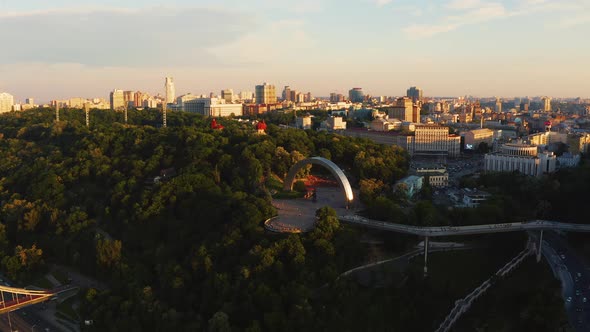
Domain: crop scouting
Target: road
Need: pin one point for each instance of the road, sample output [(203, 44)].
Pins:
[(574, 274), (26, 320), (535, 225)]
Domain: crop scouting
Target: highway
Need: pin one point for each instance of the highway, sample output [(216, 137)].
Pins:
[(574, 275), (535, 225)]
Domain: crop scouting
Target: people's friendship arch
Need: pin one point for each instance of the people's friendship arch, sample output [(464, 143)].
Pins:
[(333, 168)]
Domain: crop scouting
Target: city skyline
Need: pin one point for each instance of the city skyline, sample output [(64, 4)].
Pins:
[(448, 48)]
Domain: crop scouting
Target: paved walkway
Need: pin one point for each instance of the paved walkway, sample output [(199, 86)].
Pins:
[(298, 215)]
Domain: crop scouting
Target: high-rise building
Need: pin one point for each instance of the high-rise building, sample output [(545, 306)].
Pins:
[(246, 96), (415, 93), (498, 108), (170, 90), (404, 110), (227, 95), (117, 100), (30, 101), (287, 93), (356, 95), (546, 104), (6, 102), (266, 94)]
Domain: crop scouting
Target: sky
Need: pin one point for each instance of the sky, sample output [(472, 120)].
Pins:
[(60, 49)]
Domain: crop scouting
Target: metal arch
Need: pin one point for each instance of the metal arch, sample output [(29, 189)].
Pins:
[(333, 168)]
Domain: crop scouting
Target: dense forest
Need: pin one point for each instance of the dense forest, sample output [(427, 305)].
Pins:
[(171, 220)]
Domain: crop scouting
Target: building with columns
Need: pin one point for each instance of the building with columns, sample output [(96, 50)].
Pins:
[(521, 157)]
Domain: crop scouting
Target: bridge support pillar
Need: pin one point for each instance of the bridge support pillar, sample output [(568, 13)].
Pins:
[(426, 256), (539, 247)]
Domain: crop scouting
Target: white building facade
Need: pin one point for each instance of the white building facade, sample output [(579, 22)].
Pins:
[(523, 158), (6, 102), (214, 107)]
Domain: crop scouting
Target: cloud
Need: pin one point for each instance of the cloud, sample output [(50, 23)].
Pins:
[(381, 3), (275, 42), (463, 4), (119, 37), (485, 12)]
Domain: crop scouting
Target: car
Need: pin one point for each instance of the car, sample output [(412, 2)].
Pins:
[(584, 300), (562, 256), (569, 299), (579, 275), (578, 292)]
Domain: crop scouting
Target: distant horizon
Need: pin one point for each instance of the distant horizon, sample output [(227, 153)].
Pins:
[(63, 48)]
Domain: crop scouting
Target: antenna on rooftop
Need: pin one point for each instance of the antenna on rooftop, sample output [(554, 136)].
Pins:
[(164, 114), (87, 111)]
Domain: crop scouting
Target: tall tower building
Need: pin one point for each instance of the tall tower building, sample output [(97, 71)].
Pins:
[(356, 95), (170, 90), (415, 93), (498, 108), (546, 104), (266, 94), (6, 102), (117, 100), (287, 93)]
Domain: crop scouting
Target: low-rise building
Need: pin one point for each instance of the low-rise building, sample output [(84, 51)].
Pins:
[(411, 185), (303, 122), (335, 123), (568, 160), (213, 107), (473, 197), (438, 177), (474, 138)]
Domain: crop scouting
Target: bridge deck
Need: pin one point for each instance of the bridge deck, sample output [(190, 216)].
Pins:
[(466, 230)]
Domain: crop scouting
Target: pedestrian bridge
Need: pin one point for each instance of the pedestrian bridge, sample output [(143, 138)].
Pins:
[(535, 225), (16, 298)]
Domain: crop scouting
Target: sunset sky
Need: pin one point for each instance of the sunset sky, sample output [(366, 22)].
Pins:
[(64, 48)]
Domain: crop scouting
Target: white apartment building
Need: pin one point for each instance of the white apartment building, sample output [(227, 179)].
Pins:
[(6, 102), (170, 90), (214, 107), (521, 157), (335, 123), (303, 122)]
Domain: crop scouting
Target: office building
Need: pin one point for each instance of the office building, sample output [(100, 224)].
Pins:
[(247, 96), (227, 95), (498, 106), (170, 90), (180, 101), (404, 110), (434, 140), (214, 107), (30, 101), (266, 94), (430, 141), (546, 104), (287, 93), (474, 138), (356, 95), (117, 100), (520, 157), (415, 93), (6, 102)]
